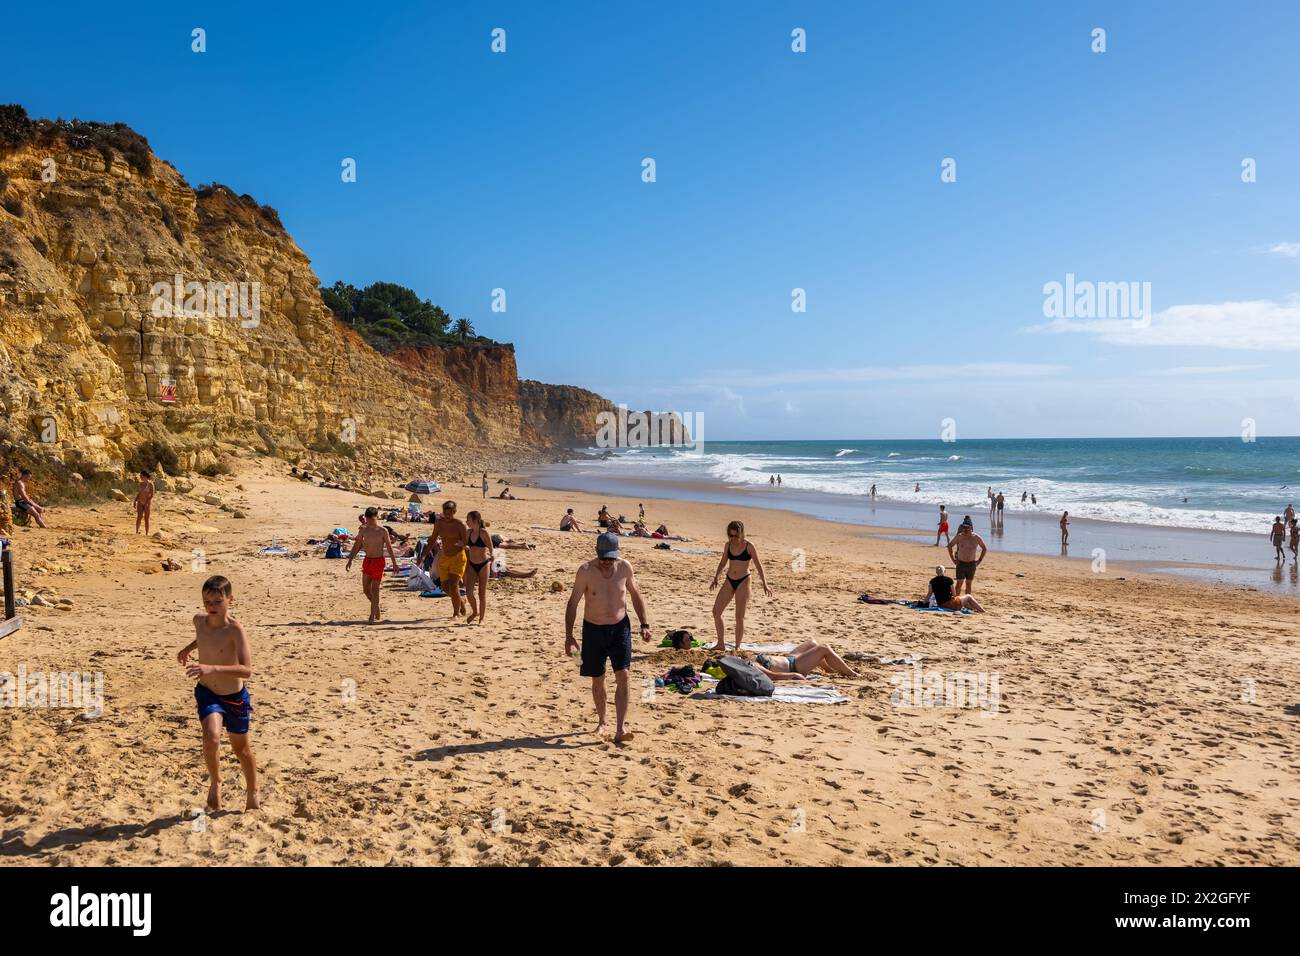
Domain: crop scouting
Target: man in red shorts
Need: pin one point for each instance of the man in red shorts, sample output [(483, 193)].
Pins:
[(375, 540)]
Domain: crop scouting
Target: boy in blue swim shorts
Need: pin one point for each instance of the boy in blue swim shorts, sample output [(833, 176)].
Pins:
[(225, 662)]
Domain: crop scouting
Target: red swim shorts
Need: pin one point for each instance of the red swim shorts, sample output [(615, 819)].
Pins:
[(373, 568), (943, 527)]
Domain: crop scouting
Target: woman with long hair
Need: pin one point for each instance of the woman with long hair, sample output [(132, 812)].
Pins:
[(736, 555), (478, 570)]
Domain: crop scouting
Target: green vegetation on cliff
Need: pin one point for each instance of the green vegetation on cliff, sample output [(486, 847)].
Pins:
[(390, 316)]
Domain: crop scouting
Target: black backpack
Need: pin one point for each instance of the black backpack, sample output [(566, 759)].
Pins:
[(743, 679)]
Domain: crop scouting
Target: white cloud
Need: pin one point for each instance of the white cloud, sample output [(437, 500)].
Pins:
[(1206, 369), (980, 371), (1289, 249), (1255, 325)]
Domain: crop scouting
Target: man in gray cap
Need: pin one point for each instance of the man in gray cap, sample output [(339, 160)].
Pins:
[(605, 584)]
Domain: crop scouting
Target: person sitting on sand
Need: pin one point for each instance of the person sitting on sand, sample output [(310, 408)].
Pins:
[(662, 529), (478, 553), (802, 661), (941, 589), (603, 586), (24, 502), (144, 502), (639, 530), (735, 562), (374, 539), (506, 495), (602, 516), (614, 525), (569, 522)]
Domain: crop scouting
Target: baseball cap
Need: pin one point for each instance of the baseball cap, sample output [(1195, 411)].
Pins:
[(607, 545)]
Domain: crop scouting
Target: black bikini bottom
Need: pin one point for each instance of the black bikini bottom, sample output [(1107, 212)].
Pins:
[(736, 582), (478, 566)]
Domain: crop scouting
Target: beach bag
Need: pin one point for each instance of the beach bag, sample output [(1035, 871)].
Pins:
[(743, 679), (335, 550)]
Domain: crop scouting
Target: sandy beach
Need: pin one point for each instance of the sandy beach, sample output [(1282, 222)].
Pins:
[(1140, 720)]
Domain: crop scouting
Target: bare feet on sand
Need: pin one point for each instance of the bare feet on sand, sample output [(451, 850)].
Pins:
[(601, 729), (214, 798), (252, 802), (624, 736)]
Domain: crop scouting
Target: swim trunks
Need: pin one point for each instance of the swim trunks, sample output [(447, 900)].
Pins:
[(452, 565), (601, 641), (236, 710), (373, 568), (966, 569), (943, 528)]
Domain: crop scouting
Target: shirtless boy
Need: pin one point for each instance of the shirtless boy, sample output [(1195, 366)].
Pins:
[(1278, 536), (225, 662), (604, 584), (23, 501), (144, 502), (453, 537), (943, 526), (376, 541), (966, 551)]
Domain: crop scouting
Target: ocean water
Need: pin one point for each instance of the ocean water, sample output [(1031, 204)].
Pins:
[(1228, 484)]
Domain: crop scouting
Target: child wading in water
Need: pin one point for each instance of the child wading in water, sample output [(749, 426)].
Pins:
[(225, 662)]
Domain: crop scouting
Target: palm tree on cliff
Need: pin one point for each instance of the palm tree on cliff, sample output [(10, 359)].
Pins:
[(464, 329)]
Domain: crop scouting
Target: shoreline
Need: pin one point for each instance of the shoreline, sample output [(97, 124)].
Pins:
[(1228, 558)]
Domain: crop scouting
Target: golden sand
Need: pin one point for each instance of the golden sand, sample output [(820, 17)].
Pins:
[(1142, 720)]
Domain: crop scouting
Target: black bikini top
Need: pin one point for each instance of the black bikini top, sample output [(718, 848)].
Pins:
[(477, 542), (743, 556)]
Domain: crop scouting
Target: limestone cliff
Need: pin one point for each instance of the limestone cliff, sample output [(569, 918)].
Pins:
[(112, 274)]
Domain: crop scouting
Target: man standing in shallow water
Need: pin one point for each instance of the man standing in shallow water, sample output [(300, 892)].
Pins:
[(606, 632)]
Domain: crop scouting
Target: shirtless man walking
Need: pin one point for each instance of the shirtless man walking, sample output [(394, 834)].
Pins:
[(966, 551), (454, 537), (144, 502), (1278, 536), (376, 541), (604, 584)]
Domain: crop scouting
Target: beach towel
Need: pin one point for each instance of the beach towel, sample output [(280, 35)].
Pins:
[(768, 648), (948, 610), (436, 592), (868, 599), (788, 692), (419, 580), (693, 551)]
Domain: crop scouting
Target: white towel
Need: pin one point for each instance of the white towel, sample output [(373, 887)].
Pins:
[(796, 694), (768, 648)]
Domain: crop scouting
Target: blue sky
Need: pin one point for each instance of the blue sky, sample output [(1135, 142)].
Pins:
[(775, 170)]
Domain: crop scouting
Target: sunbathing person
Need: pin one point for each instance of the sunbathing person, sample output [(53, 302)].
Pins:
[(613, 524), (941, 589), (639, 530), (662, 529), (506, 495), (802, 661), (509, 544), (569, 522)]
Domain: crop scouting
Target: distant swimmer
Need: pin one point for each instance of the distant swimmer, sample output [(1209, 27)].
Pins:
[(771, 480), (1288, 514), (943, 526), (1278, 535), (1023, 496), (1295, 538), (1065, 528), (778, 481), (873, 492), (1033, 499), (917, 488)]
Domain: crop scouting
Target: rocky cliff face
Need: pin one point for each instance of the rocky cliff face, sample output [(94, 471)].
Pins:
[(120, 288)]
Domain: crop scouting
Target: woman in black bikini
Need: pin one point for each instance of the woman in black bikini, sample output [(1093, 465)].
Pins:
[(478, 552), (736, 555)]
